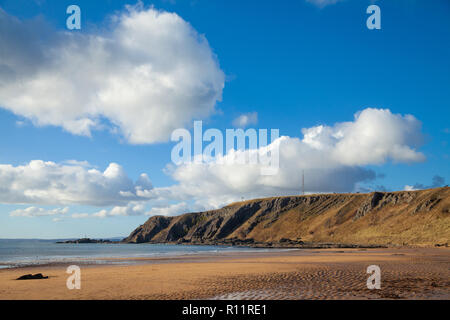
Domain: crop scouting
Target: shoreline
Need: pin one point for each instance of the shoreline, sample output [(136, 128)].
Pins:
[(129, 260), (103, 260), (407, 273)]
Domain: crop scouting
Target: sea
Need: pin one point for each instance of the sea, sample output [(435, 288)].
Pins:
[(16, 253)]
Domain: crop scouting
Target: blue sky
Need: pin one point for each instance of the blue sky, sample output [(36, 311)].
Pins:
[(295, 63)]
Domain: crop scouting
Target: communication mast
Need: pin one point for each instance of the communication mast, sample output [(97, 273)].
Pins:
[(303, 182)]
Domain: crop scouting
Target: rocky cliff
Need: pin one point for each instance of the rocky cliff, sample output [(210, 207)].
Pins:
[(378, 218)]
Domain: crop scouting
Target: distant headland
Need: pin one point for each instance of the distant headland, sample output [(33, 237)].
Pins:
[(88, 240)]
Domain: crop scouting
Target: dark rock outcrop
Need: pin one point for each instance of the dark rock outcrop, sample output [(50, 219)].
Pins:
[(32, 277), (369, 204)]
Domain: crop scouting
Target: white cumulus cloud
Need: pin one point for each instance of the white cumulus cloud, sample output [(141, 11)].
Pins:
[(323, 3), (131, 209), (174, 209), (38, 212), (148, 74), (246, 119), (50, 183), (374, 137)]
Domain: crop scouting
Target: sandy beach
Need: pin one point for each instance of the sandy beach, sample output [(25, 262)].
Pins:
[(412, 273)]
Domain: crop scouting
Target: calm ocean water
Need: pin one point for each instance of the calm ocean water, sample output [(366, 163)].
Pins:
[(20, 253)]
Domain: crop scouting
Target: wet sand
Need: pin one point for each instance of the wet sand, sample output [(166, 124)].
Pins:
[(422, 273)]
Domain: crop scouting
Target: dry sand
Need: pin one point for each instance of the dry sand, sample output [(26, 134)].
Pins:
[(300, 274)]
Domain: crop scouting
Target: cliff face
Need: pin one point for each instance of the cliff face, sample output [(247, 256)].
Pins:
[(379, 218)]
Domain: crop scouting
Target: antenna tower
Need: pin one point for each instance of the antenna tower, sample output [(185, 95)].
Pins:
[(303, 182)]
